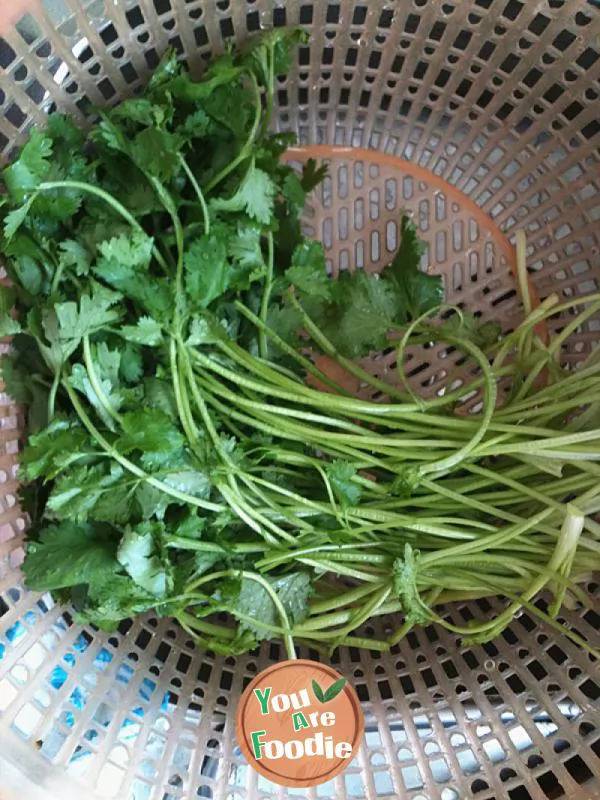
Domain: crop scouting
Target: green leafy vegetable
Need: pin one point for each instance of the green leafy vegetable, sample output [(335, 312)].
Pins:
[(68, 554), (170, 323)]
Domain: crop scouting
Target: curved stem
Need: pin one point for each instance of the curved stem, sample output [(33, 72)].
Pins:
[(198, 190), (247, 148), (129, 465), (491, 394), (350, 366), (290, 351), (95, 382), (266, 296), (108, 198), (289, 642)]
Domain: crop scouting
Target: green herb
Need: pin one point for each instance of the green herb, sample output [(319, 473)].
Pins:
[(170, 313)]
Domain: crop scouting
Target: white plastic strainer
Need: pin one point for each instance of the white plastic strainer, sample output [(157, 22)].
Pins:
[(494, 99)]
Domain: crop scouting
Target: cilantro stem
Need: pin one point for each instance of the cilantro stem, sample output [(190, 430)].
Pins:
[(129, 465), (183, 408), (206, 627), (350, 366), (309, 396), (198, 190), (232, 495), (95, 383), (270, 89), (290, 351), (369, 609), (246, 150), (289, 642), (52, 394), (489, 406), (377, 507), (266, 296)]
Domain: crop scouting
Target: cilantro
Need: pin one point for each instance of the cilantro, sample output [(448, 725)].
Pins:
[(80, 380), (74, 254), (340, 475), (150, 431), (15, 218), (405, 583), (147, 331), (61, 444), (207, 268), (467, 325), (8, 325), (111, 598), (308, 272), (253, 600), (167, 312), (132, 251), (245, 247), (191, 481), (312, 175), (155, 152), (361, 315), (91, 491), (255, 196), (414, 291), (24, 175), (66, 555), (138, 554)]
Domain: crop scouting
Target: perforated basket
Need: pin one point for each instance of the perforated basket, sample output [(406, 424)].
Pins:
[(492, 107)]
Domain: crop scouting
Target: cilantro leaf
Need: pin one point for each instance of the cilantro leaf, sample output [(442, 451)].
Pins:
[(468, 326), (146, 331), (67, 555), (255, 195), (111, 598), (25, 174), (245, 247), (27, 267), (308, 272), (131, 369), (182, 87), (74, 254), (158, 393), (415, 291), (155, 153), (191, 481), (65, 324), (128, 250), (294, 194), (138, 110), (8, 325), (61, 444), (139, 555), (15, 218), (362, 314), (312, 175), (254, 601), (152, 502), (151, 432), (340, 474), (207, 269), (83, 492)]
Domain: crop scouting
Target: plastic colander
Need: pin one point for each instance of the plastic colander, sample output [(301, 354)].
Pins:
[(480, 118)]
